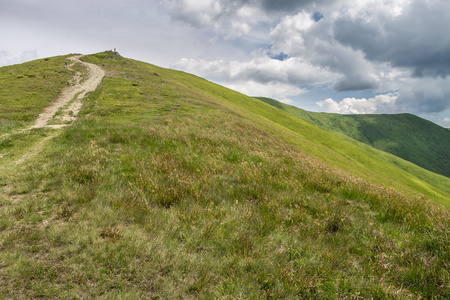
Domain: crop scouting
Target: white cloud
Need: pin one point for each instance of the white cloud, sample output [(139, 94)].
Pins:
[(238, 29), (8, 58), (379, 104), (288, 35), (260, 69), (300, 36), (373, 9), (276, 90), (261, 76)]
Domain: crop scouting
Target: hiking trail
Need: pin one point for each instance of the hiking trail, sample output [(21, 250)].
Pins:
[(78, 91), (70, 99)]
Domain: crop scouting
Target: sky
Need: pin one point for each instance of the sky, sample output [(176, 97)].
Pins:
[(342, 56)]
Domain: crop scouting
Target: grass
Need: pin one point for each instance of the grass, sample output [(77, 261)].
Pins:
[(404, 135), (26, 89), (333, 149), (161, 190)]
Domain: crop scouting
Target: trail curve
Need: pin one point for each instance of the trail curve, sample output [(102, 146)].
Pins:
[(78, 90)]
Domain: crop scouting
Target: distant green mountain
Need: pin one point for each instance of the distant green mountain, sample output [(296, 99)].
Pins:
[(405, 135)]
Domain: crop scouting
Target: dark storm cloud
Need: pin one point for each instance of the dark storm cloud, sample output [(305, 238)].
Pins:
[(289, 5), (355, 84), (271, 6), (425, 96), (417, 39), (284, 6), (421, 103)]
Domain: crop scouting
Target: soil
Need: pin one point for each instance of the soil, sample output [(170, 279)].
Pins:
[(77, 89)]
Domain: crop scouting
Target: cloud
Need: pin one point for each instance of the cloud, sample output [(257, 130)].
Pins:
[(290, 5), (357, 82), (261, 69), (283, 7), (201, 13), (301, 35), (317, 45), (379, 104), (275, 90), (234, 18), (198, 13), (289, 35), (230, 18), (415, 38), (424, 95), (260, 76), (446, 122), (138, 29), (8, 58)]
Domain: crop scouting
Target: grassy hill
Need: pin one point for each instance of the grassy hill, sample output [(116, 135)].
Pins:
[(26, 89), (407, 136), (169, 186)]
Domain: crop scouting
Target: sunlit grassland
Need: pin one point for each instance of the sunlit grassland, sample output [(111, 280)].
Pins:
[(26, 89), (404, 135), (14, 146), (162, 190), (333, 149)]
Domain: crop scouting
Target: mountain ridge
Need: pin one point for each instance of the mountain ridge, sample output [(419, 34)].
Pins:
[(410, 137)]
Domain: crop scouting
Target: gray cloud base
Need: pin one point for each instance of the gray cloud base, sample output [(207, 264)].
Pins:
[(417, 39)]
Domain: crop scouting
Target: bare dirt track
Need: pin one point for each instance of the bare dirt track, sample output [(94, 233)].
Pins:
[(78, 90), (63, 111)]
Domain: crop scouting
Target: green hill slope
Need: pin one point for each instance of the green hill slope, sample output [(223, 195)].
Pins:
[(169, 186), (26, 89), (404, 135)]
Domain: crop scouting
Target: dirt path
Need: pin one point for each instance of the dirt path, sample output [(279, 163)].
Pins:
[(34, 150), (78, 90)]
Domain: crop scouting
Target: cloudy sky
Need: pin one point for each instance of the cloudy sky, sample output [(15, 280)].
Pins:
[(344, 56)]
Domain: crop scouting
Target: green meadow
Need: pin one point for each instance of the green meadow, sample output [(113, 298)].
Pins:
[(171, 187), (404, 135), (26, 89)]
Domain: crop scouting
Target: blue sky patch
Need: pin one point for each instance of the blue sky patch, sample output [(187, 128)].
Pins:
[(281, 57), (317, 16)]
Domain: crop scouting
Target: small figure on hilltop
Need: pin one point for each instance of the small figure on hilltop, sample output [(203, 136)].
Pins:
[(67, 64)]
